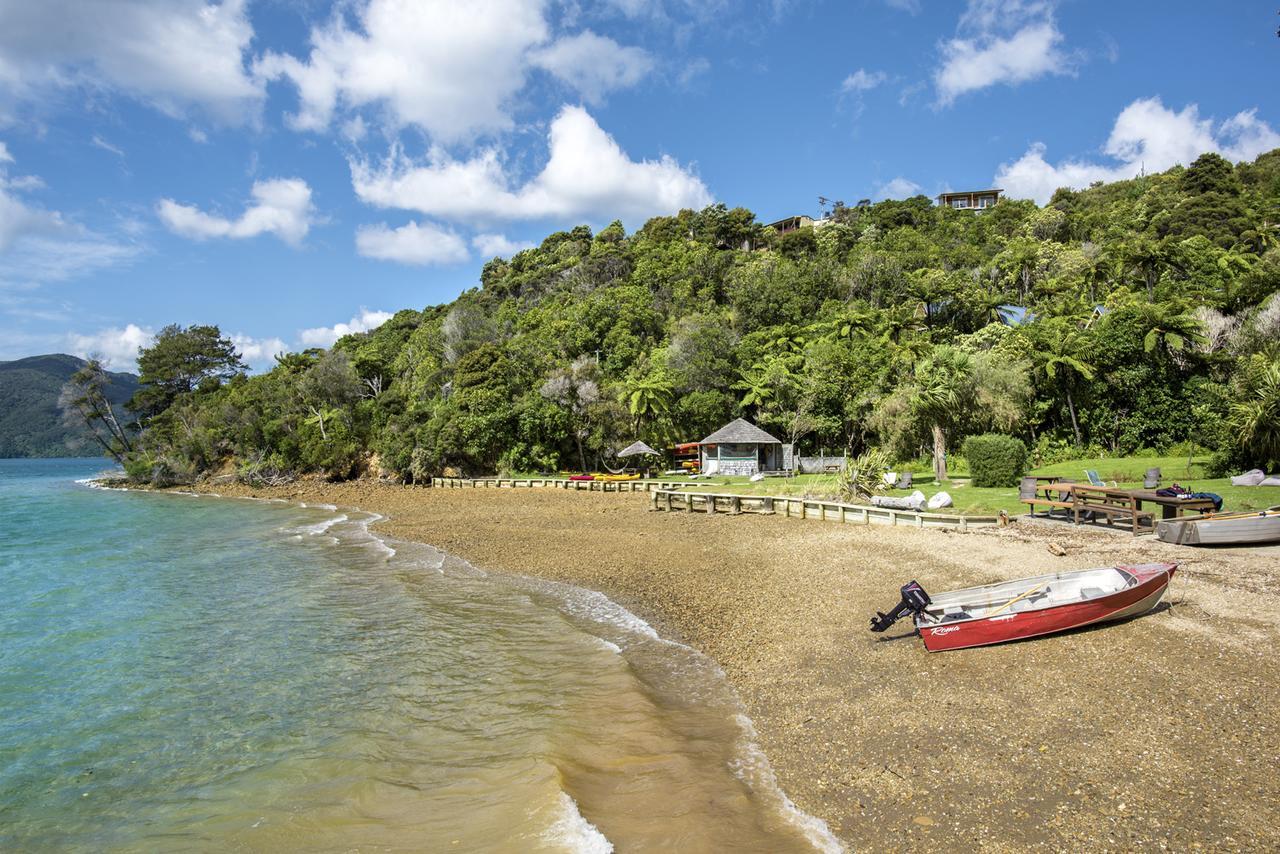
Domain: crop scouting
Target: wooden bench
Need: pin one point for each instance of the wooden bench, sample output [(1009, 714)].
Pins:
[(1056, 496), (1112, 504)]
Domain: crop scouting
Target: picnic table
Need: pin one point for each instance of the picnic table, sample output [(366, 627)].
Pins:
[(1084, 501), (1171, 507)]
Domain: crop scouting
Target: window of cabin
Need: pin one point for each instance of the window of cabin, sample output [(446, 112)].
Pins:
[(959, 203)]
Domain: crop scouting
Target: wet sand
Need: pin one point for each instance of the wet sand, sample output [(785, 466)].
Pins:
[(1161, 731)]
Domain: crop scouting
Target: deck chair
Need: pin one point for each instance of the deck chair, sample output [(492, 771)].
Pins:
[(904, 480), (1094, 480), (1152, 479)]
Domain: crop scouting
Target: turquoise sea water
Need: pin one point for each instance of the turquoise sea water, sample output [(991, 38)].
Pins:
[(184, 673)]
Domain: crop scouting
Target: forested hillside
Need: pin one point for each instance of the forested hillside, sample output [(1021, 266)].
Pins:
[(30, 420), (1135, 315)]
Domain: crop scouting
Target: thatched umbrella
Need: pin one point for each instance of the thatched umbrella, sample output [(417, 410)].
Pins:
[(637, 449)]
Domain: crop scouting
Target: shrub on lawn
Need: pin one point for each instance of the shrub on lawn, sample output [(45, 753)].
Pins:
[(995, 460)]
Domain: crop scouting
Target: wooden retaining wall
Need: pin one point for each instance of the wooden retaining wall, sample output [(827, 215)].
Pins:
[(557, 483), (672, 496), (672, 501)]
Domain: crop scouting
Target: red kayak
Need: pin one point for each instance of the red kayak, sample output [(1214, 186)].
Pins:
[(1029, 607)]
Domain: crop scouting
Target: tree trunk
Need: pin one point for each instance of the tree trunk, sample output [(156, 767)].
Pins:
[(106, 446), (324, 437), (113, 426), (1075, 425), (582, 457), (939, 454)]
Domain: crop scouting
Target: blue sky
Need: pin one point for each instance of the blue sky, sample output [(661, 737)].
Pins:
[(293, 169)]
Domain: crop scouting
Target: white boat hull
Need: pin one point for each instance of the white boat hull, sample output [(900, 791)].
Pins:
[(1238, 530)]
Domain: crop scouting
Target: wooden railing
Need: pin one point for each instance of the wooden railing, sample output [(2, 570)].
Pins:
[(673, 501)]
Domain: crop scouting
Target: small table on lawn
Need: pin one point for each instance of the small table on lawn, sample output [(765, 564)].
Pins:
[(1170, 507)]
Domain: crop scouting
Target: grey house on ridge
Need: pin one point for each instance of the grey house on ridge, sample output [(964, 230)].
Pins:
[(740, 447)]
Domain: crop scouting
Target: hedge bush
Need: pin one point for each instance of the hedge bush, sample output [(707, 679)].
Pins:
[(995, 460)]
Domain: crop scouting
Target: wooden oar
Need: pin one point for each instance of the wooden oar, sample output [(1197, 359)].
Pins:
[(1239, 514), (1019, 598)]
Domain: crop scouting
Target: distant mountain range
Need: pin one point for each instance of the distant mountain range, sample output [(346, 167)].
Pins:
[(30, 423)]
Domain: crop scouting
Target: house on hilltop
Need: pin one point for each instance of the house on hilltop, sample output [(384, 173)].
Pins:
[(970, 199), (791, 223)]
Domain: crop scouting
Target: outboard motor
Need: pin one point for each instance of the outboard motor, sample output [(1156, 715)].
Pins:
[(914, 601)]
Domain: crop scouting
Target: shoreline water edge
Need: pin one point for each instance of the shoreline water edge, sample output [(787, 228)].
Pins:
[(1100, 738), (674, 676)]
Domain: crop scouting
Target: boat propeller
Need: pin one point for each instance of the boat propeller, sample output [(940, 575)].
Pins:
[(914, 600)]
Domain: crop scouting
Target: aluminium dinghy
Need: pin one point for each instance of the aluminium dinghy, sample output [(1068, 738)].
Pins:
[(1029, 607), (1226, 529)]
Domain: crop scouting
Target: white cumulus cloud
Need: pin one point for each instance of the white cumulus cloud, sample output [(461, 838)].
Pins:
[(1146, 134), (118, 348), (594, 65), (498, 245), (587, 174), (447, 67), (1001, 41), (172, 54), (863, 81), (412, 243), (281, 206), (897, 188), (325, 336), (258, 353)]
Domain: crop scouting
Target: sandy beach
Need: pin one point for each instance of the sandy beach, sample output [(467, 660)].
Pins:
[(1161, 731)]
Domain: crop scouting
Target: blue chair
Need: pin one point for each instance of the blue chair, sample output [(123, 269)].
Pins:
[(1094, 480)]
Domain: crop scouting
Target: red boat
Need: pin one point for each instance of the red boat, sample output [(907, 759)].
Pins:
[(1029, 607)]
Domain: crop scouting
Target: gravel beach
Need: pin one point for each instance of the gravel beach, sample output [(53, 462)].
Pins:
[(1158, 732)]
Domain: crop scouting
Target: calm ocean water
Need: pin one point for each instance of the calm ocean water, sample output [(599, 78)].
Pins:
[(183, 673)]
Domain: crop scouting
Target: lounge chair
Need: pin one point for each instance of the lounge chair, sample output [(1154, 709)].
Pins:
[(1152, 479), (1094, 480)]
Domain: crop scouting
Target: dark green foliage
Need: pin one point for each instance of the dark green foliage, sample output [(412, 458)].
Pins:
[(179, 362), (1117, 318), (31, 423), (995, 460)]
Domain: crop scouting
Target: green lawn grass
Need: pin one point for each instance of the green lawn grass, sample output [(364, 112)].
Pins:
[(1127, 472)]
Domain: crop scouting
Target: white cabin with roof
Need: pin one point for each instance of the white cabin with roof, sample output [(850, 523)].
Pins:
[(740, 448)]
